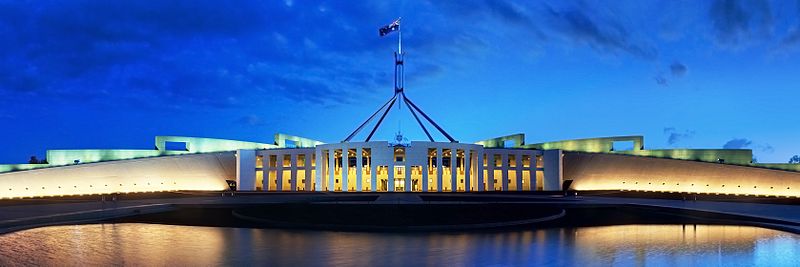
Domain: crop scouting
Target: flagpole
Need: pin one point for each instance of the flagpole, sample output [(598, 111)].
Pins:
[(400, 54), (400, 41)]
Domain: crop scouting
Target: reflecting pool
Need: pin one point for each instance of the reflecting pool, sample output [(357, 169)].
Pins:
[(626, 245)]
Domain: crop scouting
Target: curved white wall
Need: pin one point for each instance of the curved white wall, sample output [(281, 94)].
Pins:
[(590, 171), (168, 173)]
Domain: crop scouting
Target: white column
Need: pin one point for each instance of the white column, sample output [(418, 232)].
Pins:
[(331, 169), (453, 169), (279, 172), (391, 171), (480, 171), (518, 164), (425, 172), (345, 168), (359, 169), (407, 172), (439, 169), (320, 162), (264, 176), (293, 172), (373, 177), (504, 168), (308, 168), (467, 169), (532, 171), (490, 172)]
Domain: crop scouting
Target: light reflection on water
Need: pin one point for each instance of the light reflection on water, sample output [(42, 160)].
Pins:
[(627, 245)]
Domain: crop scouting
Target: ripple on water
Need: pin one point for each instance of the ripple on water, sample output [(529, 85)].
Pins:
[(159, 245)]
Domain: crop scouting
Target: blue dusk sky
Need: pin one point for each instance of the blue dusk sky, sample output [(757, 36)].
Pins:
[(114, 74)]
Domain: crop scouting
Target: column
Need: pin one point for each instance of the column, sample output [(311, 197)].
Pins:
[(308, 167), (391, 171), (359, 169), (518, 164), (345, 168), (319, 170), (279, 172), (490, 164), (331, 169), (480, 171), (373, 177), (265, 177), (504, 168), (467, 169), (293, 173), (407, 173), (439, 169), (425, 172), (533, 172), (453, 169)]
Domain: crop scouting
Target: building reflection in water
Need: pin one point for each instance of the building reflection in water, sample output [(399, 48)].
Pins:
[(159, 245)]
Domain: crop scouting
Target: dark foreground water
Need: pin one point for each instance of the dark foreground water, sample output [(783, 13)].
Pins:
[(629, 245)]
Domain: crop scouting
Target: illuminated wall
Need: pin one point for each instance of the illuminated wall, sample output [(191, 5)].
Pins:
[(780, 166), (205, 145), (21, 167), (68, 157), (518, 140), (601, 144), (605, 145), (299, 142), (193, 145), (183, 172), (729, 156), (596, 171)]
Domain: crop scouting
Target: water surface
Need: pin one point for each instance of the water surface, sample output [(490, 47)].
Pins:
[(627, 245)]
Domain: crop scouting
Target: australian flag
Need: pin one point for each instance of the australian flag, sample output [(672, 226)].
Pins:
[(394, 26)]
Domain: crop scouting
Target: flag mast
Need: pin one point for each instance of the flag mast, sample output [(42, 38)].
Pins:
[(399, 79), (398, 61)]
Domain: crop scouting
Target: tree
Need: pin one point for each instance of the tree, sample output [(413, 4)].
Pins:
[(35, 160), (795, 159)]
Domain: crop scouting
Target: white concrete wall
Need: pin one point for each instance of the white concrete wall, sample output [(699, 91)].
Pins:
[(553, 169), (184, 172), (245, 170)]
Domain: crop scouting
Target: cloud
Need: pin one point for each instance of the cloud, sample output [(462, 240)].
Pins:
[(766, 148), (678, 69), (791, 40), (537, 23), (737, 143), (251, 120), (183, 54), (740, 22), (674, 136), (661, 80), (602, 34)]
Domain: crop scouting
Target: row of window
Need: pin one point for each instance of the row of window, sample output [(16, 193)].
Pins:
[(91, 186), (399, 156), (286, 160), (707, 185)]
